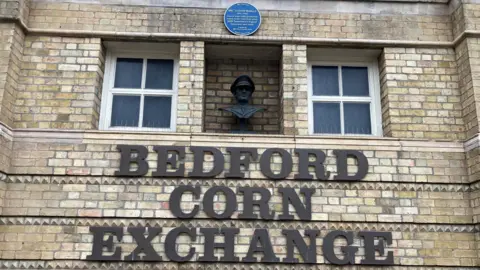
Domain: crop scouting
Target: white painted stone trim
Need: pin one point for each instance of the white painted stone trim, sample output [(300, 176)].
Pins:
[(232, 140), (472, 143), (6, 132)]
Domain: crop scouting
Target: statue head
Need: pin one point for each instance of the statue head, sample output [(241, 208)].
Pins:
[(242, 88)]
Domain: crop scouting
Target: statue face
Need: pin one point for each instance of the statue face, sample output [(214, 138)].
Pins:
[(243, 93)]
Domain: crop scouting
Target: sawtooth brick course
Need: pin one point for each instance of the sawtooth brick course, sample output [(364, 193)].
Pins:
[(415, 248), (346, 202), (220, 75), (413, 164), (56, 82), (70, 264)]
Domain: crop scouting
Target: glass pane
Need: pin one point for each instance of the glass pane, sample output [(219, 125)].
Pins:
[(125, 110), (357, 118), (325, 81), (157, 112), (128, 73), (326, 118), (159, 74), (355, 81)]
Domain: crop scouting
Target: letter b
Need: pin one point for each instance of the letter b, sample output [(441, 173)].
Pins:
[(126, 160)]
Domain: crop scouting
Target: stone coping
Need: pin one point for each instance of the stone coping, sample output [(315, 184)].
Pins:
[(232, 140)]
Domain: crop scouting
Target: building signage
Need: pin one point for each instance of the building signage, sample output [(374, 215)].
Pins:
[(242, 19), (170, 163)]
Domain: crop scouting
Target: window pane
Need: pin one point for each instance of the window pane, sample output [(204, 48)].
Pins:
[(159, 74), (128, 73), (157, 112), (357, 118), (326, 118), (355, 81), (325, 81), (125, 110)]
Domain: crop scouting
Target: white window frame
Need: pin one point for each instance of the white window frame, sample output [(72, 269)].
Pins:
[(373, 99), (109, 90)]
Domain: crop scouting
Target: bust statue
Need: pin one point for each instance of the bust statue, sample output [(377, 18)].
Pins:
[(242, 89)]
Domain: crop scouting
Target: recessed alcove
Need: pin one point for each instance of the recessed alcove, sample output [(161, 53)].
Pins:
[(224, 63)]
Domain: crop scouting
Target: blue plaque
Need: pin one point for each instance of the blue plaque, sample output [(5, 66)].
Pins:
[(242, 19)]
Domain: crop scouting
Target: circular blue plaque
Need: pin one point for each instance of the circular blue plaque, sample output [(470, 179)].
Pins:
[(242, 19)]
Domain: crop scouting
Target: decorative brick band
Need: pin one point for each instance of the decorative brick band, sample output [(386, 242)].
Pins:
[(71, 264), (149, 181), (132, 222), (413, 245)]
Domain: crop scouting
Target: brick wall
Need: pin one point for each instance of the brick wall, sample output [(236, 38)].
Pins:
[(96, 154), (61, 82), (471, 16), (60, 239), (14, 8), (475, 203), (6, 145), (421, 184), (468, 62), (190, 87), (3, 188), (293, 90), (11, 41), (466, 68), (79, 196), (458, 20), (420, 94), (430, 217), (210, 21), (220, 75)]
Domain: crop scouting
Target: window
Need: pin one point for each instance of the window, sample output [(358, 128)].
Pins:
[(140, 92), (344, 99)]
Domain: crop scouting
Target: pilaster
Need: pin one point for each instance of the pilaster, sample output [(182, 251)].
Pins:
[(294, 90), (190, 112)]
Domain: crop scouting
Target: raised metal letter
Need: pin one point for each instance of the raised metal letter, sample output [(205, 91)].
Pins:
[(230, 204), (143, 244), (99, 243), (176, 198), (349, 251), (287, 163), (126, 159), (177, 153), (289, 195), (371, 248)]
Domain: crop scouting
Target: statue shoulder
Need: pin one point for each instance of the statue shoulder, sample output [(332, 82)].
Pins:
[(242, 111)]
